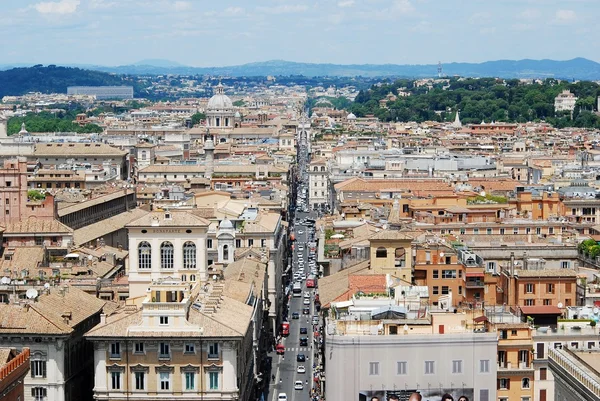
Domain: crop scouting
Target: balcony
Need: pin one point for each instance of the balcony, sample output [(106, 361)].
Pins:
[(474, 284)]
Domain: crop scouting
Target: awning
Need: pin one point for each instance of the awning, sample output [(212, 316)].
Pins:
[(480, 319), (72, 255), (475, 274)]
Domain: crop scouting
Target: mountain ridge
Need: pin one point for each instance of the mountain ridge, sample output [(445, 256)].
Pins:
[(578, 68)]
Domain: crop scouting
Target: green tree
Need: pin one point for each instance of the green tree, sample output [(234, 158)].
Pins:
[(197, 117)]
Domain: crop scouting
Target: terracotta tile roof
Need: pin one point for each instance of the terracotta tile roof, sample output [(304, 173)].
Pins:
[(76, 149), (46, 314), (358, 184), (22, 257), (178, 219), (242, 276), (34, 225), (541, 310), (91, 232), (338, 284), (564, 273), (491, 184)]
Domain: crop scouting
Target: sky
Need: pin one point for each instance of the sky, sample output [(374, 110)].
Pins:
[(206, 33)]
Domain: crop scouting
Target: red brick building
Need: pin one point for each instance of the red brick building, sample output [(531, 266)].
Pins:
[(14, 367)]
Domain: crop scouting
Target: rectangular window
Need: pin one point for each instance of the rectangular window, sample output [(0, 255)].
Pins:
[(476, 231), (190, 380), (488, 231), (250, 242), (436, 274), (38, 368), (543, 373), (550, 288), (529, 288), (164, 380), (213, 351), (504, 384), (115, 350), (263, 243), (436, 290), (462, 231), (39, 393), (209, 244), (238, 243), (484, 366), (429, 367), (189, 348), (445, 290), (516, 230), (448, 273), (484, 394), (547, 302), (457, 366), (139, 380), (402, 365), (213, 378), (529, 302), (502, 231), (164, 320), (138, 348), (164, 350), (373, 368), (565, 264), (115, 379)]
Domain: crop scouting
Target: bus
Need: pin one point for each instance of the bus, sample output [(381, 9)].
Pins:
[(297, 290), (311, 281)]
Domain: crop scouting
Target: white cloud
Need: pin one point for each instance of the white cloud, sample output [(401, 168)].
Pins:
[(529, 14), (233, 11), (57, 7), (102, 4), (345, 3), (482, 18), (565, 16), (284, 9), (402, 6), (182, 5)]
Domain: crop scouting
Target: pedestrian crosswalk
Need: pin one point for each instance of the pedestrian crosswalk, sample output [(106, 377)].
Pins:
[(297, 349)]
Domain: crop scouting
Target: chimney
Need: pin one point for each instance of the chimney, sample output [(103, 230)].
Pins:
[(512, 264), (103, 318)]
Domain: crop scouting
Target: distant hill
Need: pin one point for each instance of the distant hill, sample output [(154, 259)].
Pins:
[(578, 68), (53, 79)]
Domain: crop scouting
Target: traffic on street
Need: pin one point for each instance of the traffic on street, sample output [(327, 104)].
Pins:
[(295, 352)]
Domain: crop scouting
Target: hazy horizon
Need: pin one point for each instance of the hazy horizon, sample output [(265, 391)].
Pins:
[(207, 33)]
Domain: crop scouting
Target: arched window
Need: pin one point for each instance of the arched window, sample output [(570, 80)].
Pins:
[(322, 168), (225, 252), (381, 252), (525, 382), (183, 277), (316, 168), (189, 255), (143, 155), (166, 255), (144, 255), (192, 278)]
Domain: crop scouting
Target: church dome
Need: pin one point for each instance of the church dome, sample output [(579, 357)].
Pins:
[(351, 116), (23, 130), (219, 101), (225, 224)]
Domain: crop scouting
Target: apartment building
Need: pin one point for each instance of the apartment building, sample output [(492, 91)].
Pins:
[(438, 267), (370, 352), (391, 252), (14, 366), (166, 244), (52, 327), (187, 341), (515, 361), (318, 185)]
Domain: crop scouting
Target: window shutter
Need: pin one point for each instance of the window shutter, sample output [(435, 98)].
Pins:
[(44, 369), (32, 370), (508, 384), (44, 392), (497, 384), (33, 392), (540, 350)]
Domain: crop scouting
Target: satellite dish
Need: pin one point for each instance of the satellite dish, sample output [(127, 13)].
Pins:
[(47, 285), (560, 305), (5, 280), (441, 254), (595, 311), (31, 293)]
